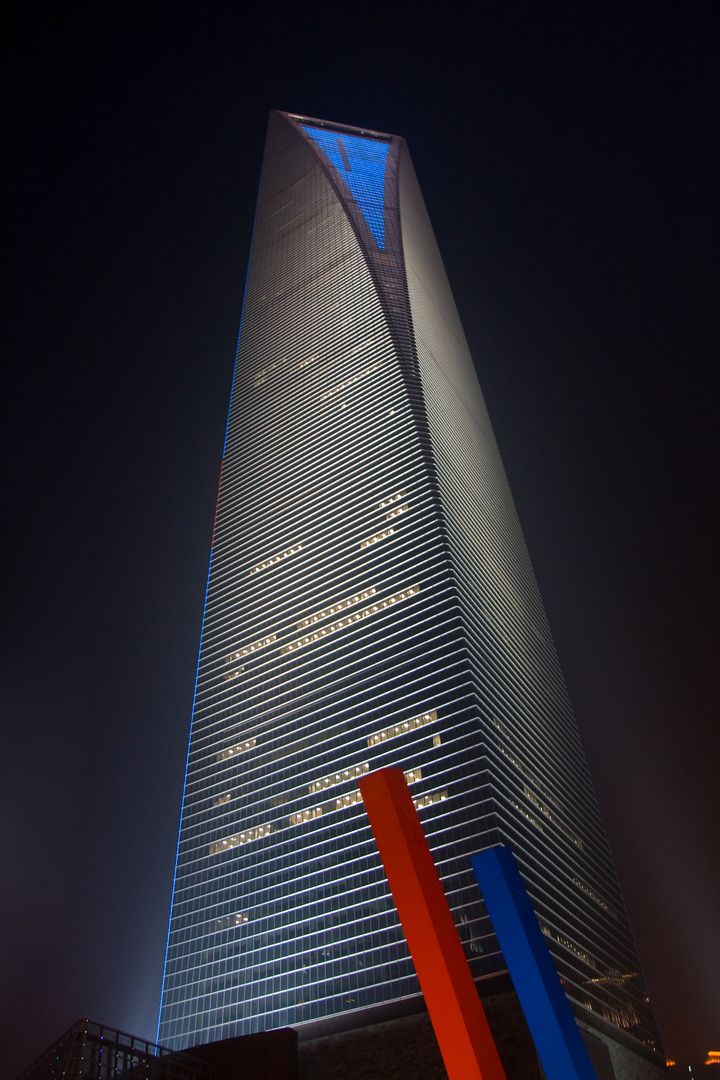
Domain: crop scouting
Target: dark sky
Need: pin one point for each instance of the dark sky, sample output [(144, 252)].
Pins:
[(568, 153)]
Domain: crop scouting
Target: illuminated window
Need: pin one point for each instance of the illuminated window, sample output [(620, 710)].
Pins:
[(239, 748), (437, 741), (354, 797), (350, 382), (233, 674), (249, 649), (276, 558), (533, 821), (400, 729), (397, 511), (262, 376), (378, 536), (222, 799), (573, 836), (305, 815), (339, 777), (229, 921), (351, 799), (334, 608), (621, 1017), (391, 499), (575, 949), (594, 896), (350, 620), (530, 776), (241, 838), (500, 726), (428, 800), (568, 944)]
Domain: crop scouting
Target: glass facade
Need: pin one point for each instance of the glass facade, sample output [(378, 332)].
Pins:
[(370, 603)]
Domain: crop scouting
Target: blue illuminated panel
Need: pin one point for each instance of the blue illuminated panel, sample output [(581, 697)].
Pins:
[(361, 163)]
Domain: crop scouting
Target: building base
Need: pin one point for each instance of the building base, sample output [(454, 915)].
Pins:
[(386, 1042), (397, 1042)]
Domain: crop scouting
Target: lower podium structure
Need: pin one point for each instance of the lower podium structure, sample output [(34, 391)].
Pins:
[(384, 1044)]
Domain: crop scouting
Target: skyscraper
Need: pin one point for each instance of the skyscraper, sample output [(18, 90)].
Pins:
[(370, 602)]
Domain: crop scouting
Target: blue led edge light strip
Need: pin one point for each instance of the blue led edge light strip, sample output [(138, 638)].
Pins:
[(365, 176), (202, 632), (182, 808)]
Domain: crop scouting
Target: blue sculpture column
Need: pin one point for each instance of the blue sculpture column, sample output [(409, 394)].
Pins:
[(552, 1025)]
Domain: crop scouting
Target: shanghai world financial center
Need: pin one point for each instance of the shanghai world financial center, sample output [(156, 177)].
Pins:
[(370, 603)]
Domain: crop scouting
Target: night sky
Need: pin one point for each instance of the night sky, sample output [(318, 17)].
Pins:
[(568, 153)]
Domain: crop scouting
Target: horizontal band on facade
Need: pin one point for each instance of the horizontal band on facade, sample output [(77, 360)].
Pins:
[(350, 620)]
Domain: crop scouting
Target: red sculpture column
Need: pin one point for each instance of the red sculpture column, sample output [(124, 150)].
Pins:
[(457, 1016)]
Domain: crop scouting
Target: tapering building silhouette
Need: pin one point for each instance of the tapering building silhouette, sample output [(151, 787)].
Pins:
[(370, 602)]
